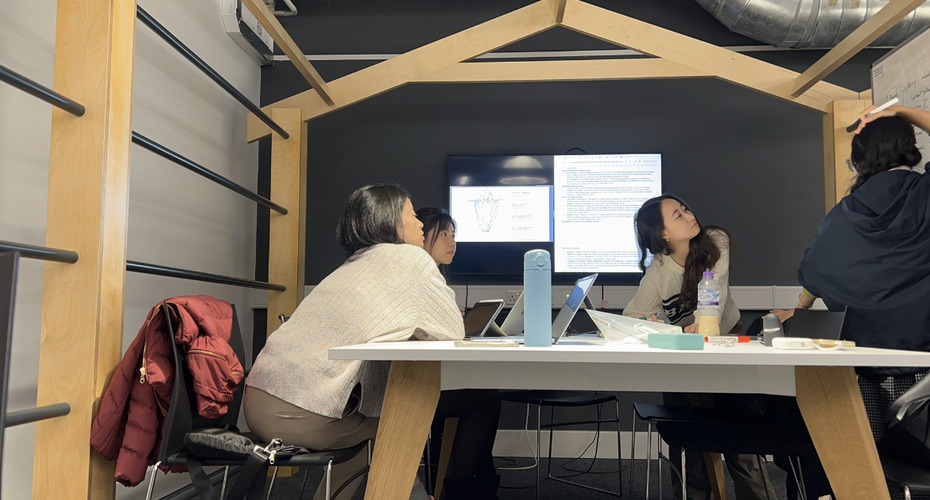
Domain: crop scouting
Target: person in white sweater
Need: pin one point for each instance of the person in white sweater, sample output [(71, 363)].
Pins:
[(682, 250), (389, 289)]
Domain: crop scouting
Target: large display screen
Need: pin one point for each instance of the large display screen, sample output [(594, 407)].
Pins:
[(578, 207)]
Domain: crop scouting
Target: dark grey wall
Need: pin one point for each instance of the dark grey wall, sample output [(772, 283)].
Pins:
[(743, 160)]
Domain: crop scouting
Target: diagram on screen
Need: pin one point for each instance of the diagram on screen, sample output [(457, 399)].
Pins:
[(485, 210)]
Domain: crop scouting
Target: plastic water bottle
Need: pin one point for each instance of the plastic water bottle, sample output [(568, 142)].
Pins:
[(537, 299), (708, 306)]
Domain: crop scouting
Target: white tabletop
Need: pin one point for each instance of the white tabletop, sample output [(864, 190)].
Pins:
[(749, 353), (743, 368)]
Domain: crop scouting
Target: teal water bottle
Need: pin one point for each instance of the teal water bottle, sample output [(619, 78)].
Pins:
[(537, 298)]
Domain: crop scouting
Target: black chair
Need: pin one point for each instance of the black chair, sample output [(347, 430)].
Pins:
[(183, 418), (554, 399), (743, 438), (904, 449), (653, 413)]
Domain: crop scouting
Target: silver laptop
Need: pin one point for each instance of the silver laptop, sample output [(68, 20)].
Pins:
[(513, 323), (560, 325)]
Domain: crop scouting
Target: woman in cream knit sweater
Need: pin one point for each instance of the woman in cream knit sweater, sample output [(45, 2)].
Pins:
[(389, 289)]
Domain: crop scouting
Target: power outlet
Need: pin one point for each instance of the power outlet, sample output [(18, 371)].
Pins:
[(512, 296)]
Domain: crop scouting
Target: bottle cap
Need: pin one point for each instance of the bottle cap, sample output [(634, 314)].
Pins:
[(536, 260), (708, 274)]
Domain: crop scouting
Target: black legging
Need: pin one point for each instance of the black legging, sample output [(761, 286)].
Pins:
[(478, 412)]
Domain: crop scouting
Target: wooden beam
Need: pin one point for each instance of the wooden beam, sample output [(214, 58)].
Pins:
[(410, 66), (727, 65), (286, 233), (865, 34), (550, 71), (289, 47), (836, 148), (560, 12), (82, 304)]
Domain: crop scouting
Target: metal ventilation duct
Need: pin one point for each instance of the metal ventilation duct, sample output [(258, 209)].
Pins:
[(803, 24)]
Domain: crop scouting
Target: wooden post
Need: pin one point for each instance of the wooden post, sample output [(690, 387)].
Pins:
[(82, 303), (286, 233), (836, 140)]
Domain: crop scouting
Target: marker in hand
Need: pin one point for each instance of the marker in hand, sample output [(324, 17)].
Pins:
[(892, 102)]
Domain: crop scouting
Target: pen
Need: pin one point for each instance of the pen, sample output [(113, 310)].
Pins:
[(892, 102)]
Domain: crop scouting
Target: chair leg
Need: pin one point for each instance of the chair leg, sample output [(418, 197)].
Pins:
[(649, 458), (225, 481), (907, 492), (148, 494), (684, 476), (428, 473), (619, 454), (538, 443), (274, 476), (551, 437), (632, 450), (303, 484), (329, 479), (798, 477)]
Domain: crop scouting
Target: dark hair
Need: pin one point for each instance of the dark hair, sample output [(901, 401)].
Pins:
[(373, 214), (703, 253), (883, 144), (434, 219)]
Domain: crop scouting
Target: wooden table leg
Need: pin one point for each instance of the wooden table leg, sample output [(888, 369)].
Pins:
[(718, 482), (445, 454), (409, 405), (833, 411)]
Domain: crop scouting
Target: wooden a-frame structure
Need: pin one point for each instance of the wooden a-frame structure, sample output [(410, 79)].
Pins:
[(82, 304)]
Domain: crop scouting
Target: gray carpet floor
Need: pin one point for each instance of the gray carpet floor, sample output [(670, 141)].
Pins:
[(520, 484)]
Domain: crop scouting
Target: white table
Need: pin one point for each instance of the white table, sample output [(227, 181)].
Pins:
[(824, 383)]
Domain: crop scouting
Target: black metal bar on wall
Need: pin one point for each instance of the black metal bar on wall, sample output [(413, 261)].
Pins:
[(166, 153), (166, 35), (173, 272), (40, 253), (9, 263), (30, 415), (34, 89)]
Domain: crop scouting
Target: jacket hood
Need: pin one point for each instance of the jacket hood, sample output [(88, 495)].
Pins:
[(891, 205)]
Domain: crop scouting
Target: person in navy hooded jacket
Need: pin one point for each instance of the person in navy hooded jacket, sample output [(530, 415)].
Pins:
[(872, 253)]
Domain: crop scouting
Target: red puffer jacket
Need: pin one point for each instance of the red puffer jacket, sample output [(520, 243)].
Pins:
[(130, 421)]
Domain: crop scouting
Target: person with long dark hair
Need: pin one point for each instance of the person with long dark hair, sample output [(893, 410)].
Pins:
[(388, 289), (681, 250)]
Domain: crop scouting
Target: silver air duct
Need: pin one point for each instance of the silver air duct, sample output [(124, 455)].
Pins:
[(802, 24)]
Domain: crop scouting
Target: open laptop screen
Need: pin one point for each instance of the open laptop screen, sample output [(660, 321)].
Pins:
[(815, 324), (572, 304)]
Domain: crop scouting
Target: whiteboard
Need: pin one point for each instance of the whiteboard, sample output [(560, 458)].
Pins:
[(905, 73)]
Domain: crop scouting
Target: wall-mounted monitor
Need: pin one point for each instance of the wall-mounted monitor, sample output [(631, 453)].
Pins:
[(578, 207)]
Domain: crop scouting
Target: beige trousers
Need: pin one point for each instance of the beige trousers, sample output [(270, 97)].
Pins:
[(270, 417)]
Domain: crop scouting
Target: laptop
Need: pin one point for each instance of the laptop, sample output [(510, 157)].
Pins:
[(816, 324), (562, 320), (513, 323), (572, 304), (481, 317)]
